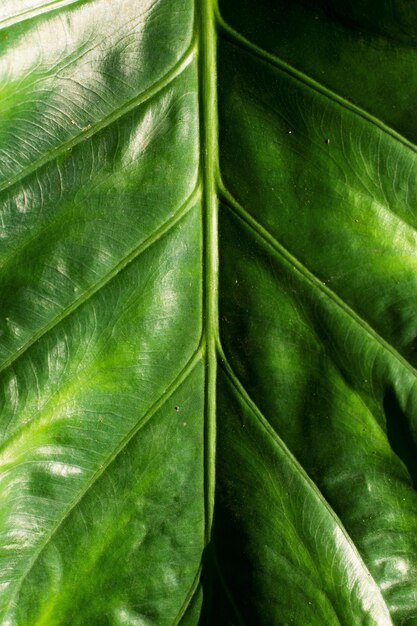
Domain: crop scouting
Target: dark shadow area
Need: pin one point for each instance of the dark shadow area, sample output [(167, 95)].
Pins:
[(400, 435), (218, 605), (409, 352)]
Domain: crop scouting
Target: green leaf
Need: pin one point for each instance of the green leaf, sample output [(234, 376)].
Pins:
[(208, 280)]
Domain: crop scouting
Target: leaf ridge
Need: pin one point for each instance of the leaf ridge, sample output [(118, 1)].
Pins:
[(209, 163), (133, 255), (235, 207), (172, 387), (126, 107), (234, 37)]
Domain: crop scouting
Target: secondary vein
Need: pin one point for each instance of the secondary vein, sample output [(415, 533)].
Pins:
[(234, 206), (279, 444), (133, 254), (234, 37), (175, 384), (137, 100)]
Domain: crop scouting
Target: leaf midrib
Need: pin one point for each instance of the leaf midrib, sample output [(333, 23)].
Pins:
[(209, 165)]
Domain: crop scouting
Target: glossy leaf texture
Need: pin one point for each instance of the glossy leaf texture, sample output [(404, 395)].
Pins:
[(208, 278)]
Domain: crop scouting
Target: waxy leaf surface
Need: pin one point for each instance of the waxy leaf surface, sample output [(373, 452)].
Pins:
[(208, 280)]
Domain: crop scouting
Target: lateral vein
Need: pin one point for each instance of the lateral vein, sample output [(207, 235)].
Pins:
[(139, 99), (134, 254), (234, 37), (280, 250), (175, 384), (279, 443)]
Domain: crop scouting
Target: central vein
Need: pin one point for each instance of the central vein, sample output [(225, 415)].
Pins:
[(209, 160)]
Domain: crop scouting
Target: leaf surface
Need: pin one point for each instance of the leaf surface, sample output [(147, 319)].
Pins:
[(207, 325)]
